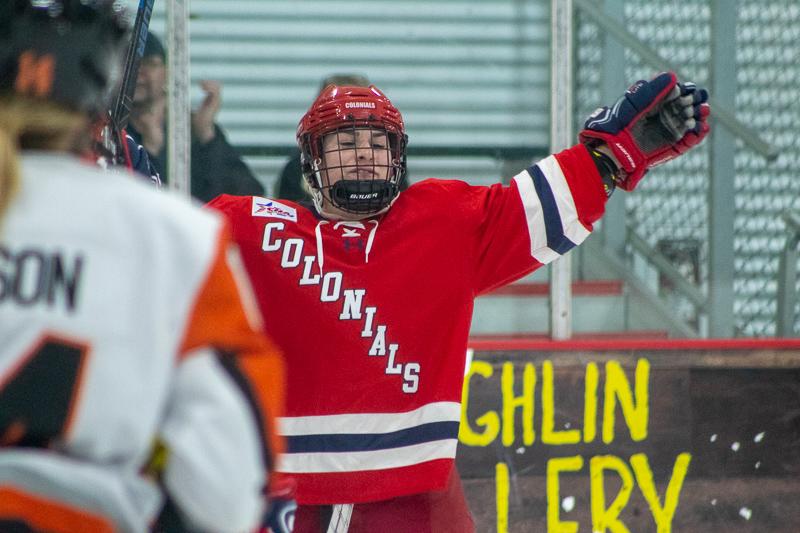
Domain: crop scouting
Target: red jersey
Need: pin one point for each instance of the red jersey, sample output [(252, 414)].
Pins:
[(374, 315)]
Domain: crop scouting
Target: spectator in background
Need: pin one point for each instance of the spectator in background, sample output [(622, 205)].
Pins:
[(290, 184), (216, 166)]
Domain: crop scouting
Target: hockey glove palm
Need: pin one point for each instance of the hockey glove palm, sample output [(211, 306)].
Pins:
[(653, 122)]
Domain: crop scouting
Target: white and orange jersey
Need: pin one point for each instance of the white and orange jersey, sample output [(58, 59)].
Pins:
[(124, 318)]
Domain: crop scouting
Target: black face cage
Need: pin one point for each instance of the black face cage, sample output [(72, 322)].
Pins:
[(367, 178)]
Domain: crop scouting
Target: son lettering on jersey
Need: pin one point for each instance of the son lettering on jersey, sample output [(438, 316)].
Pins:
[(331, 290), (30, 276)]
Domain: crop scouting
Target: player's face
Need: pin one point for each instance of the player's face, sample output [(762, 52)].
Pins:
[(151, 80), (357, 154)]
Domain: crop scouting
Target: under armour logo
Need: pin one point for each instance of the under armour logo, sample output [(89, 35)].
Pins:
[(354, 245), (35, 74)]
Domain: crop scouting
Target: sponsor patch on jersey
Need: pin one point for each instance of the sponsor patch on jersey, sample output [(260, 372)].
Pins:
[(264, 207)]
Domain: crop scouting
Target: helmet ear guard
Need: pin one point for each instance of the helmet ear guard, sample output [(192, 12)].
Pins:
[(359, 187)]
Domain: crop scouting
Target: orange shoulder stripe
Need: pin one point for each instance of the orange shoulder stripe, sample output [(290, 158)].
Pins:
[(225, 316), (219, 316), (48, 515), (267, 376)]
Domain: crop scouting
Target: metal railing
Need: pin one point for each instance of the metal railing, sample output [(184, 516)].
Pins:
[(787, 276), (663, 265), (717, 306), (651, 57)]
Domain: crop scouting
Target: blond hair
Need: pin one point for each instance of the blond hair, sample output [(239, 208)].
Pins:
[(26, 123)]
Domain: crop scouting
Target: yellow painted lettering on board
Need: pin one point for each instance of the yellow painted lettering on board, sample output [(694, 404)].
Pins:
[(489, 420), (633, 402), (525, 401), (605, 518), (644, 477), (618, 388), (554, 467), (590, 403), (501, 496), (549, 434)]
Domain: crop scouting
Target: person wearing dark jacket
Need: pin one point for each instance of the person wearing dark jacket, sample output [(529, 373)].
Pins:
[(216, 167)]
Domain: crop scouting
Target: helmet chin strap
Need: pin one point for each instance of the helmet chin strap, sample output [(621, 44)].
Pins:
[(362, 196), (323, 200), (346, 216)]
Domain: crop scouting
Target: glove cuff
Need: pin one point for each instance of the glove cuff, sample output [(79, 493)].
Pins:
[(607, 170), (632, 164)]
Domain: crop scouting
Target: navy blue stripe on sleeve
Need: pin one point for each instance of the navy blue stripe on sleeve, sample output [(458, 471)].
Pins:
[(556, 240)]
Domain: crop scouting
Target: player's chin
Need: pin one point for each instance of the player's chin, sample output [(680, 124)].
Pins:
[(358, 175)]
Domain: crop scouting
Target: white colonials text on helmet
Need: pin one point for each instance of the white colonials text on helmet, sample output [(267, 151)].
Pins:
[(359, 105)]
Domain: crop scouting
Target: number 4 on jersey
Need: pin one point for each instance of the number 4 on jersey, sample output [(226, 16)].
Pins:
[(37, 395)]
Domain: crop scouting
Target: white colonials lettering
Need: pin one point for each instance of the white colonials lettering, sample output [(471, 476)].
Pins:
[(351, 308), (268, 245), (359, 105), (307, 278), (391, 367), (331, 287), (367, 331), (330, 291), (379, 343), (292, 251), (411, 378)]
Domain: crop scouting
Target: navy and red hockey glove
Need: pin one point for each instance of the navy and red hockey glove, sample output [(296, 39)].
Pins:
[(282, 506), (653, 122)]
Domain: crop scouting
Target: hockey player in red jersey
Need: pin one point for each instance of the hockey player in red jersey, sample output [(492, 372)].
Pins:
[(370, 292), (126, 319)]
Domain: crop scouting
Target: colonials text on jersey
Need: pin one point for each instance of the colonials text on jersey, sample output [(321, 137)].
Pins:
[(330, 286)]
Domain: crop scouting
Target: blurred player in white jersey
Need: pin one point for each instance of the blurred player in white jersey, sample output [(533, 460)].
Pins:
[(125, 318), (383, 283)]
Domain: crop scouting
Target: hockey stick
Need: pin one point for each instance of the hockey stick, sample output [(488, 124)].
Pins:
[(120, 111)]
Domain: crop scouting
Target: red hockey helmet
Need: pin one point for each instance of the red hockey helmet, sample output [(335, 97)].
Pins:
[(360, 168)]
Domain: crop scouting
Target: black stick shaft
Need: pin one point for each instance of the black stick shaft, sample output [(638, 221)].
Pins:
[(121, 110)]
